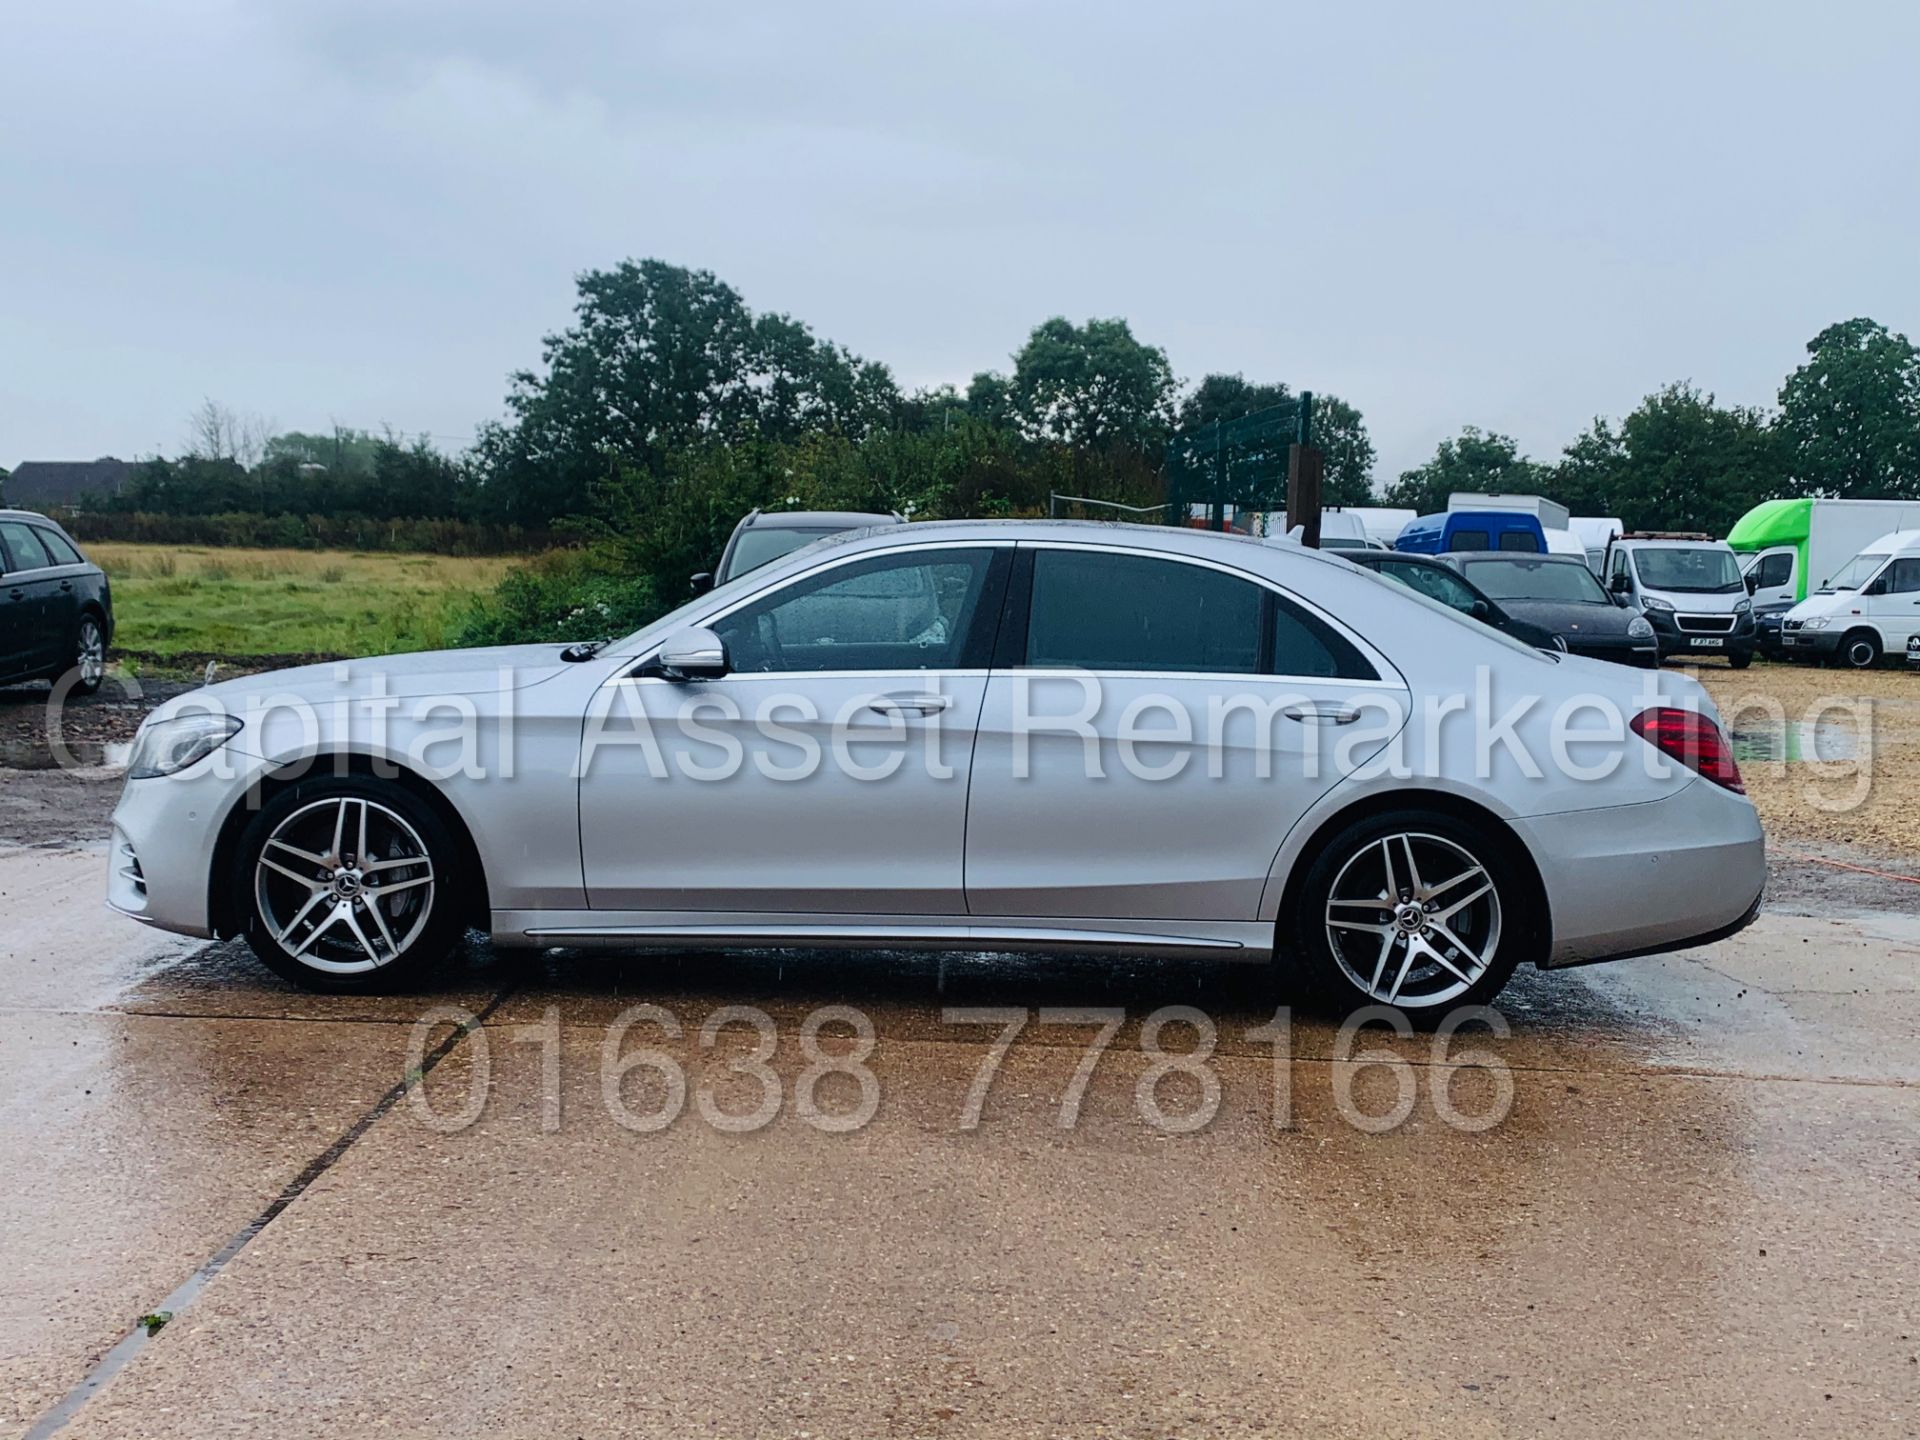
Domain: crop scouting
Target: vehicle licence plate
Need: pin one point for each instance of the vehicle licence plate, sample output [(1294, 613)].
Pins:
[(1699, 643)]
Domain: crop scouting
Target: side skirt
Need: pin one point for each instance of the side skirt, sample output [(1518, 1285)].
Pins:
[(621, 929)]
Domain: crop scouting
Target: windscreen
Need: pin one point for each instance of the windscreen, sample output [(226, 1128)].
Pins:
[(1520, 579), (759, 546), (1857, 571), (1689, 569)]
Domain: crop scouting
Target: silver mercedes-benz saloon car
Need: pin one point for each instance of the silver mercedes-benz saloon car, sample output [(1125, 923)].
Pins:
[(990, 735)]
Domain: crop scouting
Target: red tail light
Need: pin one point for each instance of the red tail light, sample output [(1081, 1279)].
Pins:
[(1693, 740)]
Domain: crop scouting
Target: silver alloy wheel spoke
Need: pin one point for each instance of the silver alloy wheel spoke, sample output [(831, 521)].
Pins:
[(399, 885), (1436, 891), (305, 910), (307, 855), (1448, 912), (318, 887)]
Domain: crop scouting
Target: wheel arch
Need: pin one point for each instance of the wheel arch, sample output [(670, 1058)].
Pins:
[(1539, 911), (225, 912)]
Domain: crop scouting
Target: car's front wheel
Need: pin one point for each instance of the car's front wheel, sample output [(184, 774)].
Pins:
[(1860, 650), (1412, 909), (350, 885)]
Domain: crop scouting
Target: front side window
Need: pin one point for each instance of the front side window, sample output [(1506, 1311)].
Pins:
[(22, 546), (1775, 569), (1903, 577), (894, 612)]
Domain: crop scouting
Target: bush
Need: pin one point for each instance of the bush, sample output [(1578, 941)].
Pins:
[(570, 595), (312, 532)]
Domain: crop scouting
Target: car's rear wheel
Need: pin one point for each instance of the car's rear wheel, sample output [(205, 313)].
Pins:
[(1413, 909), (89, 653), (350, 885)]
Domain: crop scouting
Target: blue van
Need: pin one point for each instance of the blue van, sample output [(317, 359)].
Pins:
[(1452, 530)]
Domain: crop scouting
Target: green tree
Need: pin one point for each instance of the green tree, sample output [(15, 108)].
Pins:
[(1092, 386), (1679, 461), (1851, 414), (659, 359), (1220, 398), (1475, 460)]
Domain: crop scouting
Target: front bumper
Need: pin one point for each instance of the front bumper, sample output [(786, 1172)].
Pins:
[(1642, 653), (1806, 644), (1675, 639), (1640, 879), (165, 831)]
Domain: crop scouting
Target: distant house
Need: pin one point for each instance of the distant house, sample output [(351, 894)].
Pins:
[(66, 484)]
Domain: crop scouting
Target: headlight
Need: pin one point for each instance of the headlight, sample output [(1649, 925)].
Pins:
[(1743, 607), (1639, 629), (171, 746), (1654, 602), (1820, 623)]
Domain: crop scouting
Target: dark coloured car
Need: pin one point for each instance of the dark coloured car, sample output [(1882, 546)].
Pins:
[(1447, 585), (1561, 593), (56, 609), (764, 537), (1766, 628)]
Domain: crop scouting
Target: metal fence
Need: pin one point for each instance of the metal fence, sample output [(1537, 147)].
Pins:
[(1233, 473)]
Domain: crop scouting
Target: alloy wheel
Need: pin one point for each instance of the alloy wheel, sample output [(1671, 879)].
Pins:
[(1414, 920), (344, 885), (92, 653)]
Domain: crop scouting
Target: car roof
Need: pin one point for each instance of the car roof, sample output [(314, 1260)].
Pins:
[(816, 520), (26, 515)]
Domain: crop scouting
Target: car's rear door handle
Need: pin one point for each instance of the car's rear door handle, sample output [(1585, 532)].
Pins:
[(910, 704), (66, 584), (1322, 713), (17, 594)]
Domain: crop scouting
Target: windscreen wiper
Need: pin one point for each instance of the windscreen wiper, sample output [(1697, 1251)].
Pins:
[(586, 649)]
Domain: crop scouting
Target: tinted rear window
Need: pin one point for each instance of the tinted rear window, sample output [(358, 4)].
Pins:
[(1470, 540), (1098, 611)]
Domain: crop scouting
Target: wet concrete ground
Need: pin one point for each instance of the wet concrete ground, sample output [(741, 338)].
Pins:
[(1699, 1214)]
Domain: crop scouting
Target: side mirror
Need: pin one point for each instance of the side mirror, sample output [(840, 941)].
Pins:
[(1620, 585), (693, 654), (700, 583), (1753, 583), (1481, 610)]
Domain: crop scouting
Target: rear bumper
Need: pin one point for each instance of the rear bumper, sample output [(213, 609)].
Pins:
[(1639, 879)]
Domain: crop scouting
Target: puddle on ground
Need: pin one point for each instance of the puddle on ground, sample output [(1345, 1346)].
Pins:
[(1792, 741), (39, 754)]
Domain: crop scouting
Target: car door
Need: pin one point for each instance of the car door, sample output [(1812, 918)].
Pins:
[(27, 592), (1894, 604), (827, 770), (1153, 727), (1770, 577), (66, 584)]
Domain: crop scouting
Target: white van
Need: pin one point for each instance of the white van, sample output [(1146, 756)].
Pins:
[(1869, 607), (1690, 588)]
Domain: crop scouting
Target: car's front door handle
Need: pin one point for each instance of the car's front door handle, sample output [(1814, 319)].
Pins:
[(17, 594), (1328, 713), (66, 584), (911, 704)]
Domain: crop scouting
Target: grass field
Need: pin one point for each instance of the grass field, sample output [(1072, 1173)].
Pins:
[(173, 601)]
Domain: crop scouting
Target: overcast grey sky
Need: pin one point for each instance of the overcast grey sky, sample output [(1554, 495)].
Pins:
[(1512, 215)]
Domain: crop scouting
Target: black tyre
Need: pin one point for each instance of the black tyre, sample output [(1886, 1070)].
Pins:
[(87, 656), (1740, 659), (1413, 909), (349, 885), (1859, 650)]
